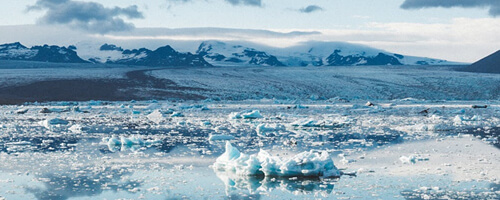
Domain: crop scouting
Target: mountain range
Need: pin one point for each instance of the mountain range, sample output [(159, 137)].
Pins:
[(217, 53)]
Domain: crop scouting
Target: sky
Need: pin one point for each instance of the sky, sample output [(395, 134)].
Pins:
[(457, 30)]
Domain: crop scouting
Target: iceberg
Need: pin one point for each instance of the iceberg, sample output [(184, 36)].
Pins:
[(253, 114), (48, 123), (156, 117), (306, 164)]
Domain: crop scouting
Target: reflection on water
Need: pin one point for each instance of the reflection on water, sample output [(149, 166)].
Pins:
[(84, 182), (237, 185), (438, 193), (37, 144)]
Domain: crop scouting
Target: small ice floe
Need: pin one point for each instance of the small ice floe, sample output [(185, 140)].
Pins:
[(308, 123), (345, 160), (51, 122), (177, 114), (214, 137), (20, 143), (306, 164), (412, 159), (45, 110), (21, 111), (465, 120), (77, 128), (132, 142), (264, 129), (298, 106), (253, 114), (156, 116)]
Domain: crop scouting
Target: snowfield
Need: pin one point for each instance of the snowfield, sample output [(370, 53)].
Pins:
[(302, 83)]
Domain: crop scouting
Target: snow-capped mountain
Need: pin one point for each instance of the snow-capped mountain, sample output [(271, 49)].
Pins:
[(221, 53), (163, 56), (306, 54), (45, 53), (216, 53)]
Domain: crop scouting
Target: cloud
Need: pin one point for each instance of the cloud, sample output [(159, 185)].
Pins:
[(494, 5), (310, 9), (89, 16), (257, 3)]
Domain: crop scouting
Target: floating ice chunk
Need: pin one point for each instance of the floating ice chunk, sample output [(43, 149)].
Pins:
[(48, 123), (76, 128), (235, 115), (412, 159), (177, 114), (156, 117), (254, 114), (114, 143), (408, 159), (308, 123), (205, 123), (21, 111), (262, 129), (310, 164), (464, 120), (346, 160), (215, 137), (20, 143)]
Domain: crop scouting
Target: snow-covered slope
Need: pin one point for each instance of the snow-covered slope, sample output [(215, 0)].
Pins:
[(221, 53), (306, 54), (45, 53)]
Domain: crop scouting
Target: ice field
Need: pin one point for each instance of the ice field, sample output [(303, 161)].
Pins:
[(385, 149)]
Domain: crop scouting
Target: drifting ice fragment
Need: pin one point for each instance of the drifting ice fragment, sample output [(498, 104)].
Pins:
[(412, 159), (310, 164), (127, 143), (156, 116), (53, 122), (177, 114), (253, 114), (221, 137), (262, 129)]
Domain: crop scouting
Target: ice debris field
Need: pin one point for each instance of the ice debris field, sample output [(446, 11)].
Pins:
[(253, 149)]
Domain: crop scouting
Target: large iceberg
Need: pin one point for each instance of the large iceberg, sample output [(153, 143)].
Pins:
[(306, 164)]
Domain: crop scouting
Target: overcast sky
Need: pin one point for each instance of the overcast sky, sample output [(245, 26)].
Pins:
[(458, 30)]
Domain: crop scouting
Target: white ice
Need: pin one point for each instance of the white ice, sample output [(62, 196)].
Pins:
[(309, 164)]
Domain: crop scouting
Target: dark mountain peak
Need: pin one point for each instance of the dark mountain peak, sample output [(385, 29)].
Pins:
[(166, 50), (162, 56), (45, 53), (207, 46), (335, 59), (489, 64), (54, 53), (15, 45), (136, 51), (110, 47)]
